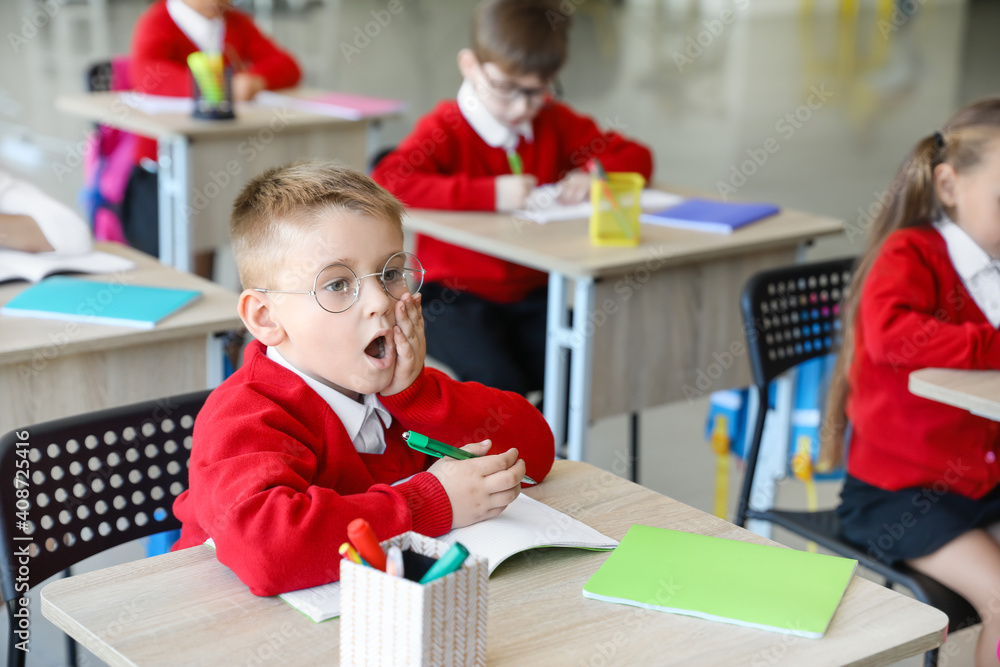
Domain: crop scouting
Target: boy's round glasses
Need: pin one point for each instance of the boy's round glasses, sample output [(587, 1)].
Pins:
[(336, 287), (508, 92)]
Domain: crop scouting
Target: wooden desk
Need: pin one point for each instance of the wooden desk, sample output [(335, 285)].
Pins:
[(203, 164), (187, 608), (976, 391), (51, 368), (652, 324)]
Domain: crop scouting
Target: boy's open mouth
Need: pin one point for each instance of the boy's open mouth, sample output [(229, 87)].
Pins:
[(376, 348)]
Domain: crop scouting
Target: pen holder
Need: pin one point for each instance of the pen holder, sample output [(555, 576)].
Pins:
[(393, 621), (206, 107), (608, 227)]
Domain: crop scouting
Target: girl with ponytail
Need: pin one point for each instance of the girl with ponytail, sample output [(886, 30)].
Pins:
[(923, 482)]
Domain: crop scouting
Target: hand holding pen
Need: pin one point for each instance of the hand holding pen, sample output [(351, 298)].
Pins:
[(481, 487)]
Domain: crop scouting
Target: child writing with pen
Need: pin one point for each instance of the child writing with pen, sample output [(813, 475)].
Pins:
[(486, 151), (308, 435), (922, 477)]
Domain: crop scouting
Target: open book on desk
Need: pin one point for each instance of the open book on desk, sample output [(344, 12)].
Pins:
[(525, 524), (543, 205), (33, 266)]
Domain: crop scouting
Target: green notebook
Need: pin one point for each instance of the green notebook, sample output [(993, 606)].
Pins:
[(62, 298), (758, 586)]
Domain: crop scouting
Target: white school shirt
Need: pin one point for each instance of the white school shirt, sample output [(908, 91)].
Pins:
[(489, 129), (360, 420), (65, 231), (979, 272), (207, 34)]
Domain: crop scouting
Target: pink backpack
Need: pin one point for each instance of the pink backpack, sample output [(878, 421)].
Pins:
[(108, 159)]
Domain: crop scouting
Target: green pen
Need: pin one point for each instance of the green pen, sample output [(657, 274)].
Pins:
[(514, 160), (432, 447)]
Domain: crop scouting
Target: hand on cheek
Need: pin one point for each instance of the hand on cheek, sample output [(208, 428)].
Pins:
[(411, 347)]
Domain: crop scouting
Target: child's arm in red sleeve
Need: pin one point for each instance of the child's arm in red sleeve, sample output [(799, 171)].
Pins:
[(459, 413), (899, 317), (157, 62), (253, 490), (586, 140), (423, 172), (263, 56)]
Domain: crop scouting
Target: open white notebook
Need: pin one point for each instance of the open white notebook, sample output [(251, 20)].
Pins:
[(525, 524), (543, 205), (16, 265)]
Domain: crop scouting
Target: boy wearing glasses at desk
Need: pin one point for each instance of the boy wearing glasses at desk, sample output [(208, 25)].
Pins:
[(486, 151), (307, 435)]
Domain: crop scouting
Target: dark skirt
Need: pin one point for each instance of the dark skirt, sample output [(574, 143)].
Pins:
[(901, 525)]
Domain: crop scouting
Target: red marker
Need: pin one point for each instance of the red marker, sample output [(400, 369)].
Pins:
[(363, 539)]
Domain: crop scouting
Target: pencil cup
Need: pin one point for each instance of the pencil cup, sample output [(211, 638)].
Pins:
[(393, 621), (611, 226), (213, 98)]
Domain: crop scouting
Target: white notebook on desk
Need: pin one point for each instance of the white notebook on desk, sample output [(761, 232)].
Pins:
[(525, 524), (31, 266), (543, 205)]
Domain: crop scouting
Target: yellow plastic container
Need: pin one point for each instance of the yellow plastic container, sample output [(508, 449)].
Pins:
[(607, 227)]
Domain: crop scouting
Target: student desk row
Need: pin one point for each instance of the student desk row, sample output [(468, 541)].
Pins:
[(203, 164), (186, 608), (652, 324), (975, 391), (52, 368)]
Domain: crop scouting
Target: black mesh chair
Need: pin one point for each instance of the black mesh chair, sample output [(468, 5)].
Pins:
[(77, 486), (791, 315)]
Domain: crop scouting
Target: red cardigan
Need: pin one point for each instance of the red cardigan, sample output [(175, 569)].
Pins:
[(275, 479), (916, 313), (158, 61), (444, 164)]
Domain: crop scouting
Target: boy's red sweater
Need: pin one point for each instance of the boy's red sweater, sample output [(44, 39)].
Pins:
[(916, 313), (444, 164), (158, 60), (275, 478)]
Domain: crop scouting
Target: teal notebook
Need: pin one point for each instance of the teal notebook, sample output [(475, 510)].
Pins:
[(754, 585), (64, 298)]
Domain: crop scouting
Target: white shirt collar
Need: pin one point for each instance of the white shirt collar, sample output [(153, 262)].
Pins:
[(489, 129), (979, 272), (354, 416), (207, 34)]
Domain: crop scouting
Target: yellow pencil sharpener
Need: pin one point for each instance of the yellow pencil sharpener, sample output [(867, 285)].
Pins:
[(614, 218)]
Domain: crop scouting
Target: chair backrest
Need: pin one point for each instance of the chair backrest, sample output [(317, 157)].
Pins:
[(77, 486), (792, 314)]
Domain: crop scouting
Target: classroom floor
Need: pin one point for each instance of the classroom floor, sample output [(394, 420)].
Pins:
[(701, 92)]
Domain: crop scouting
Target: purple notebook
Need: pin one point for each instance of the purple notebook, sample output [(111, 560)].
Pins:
[(708, 215)]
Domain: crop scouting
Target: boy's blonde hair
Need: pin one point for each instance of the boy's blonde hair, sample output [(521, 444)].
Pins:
[(522, 37), (277, 207)]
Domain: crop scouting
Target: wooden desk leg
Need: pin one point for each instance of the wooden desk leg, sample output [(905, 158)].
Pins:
[(561, 338), (172, 195)]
